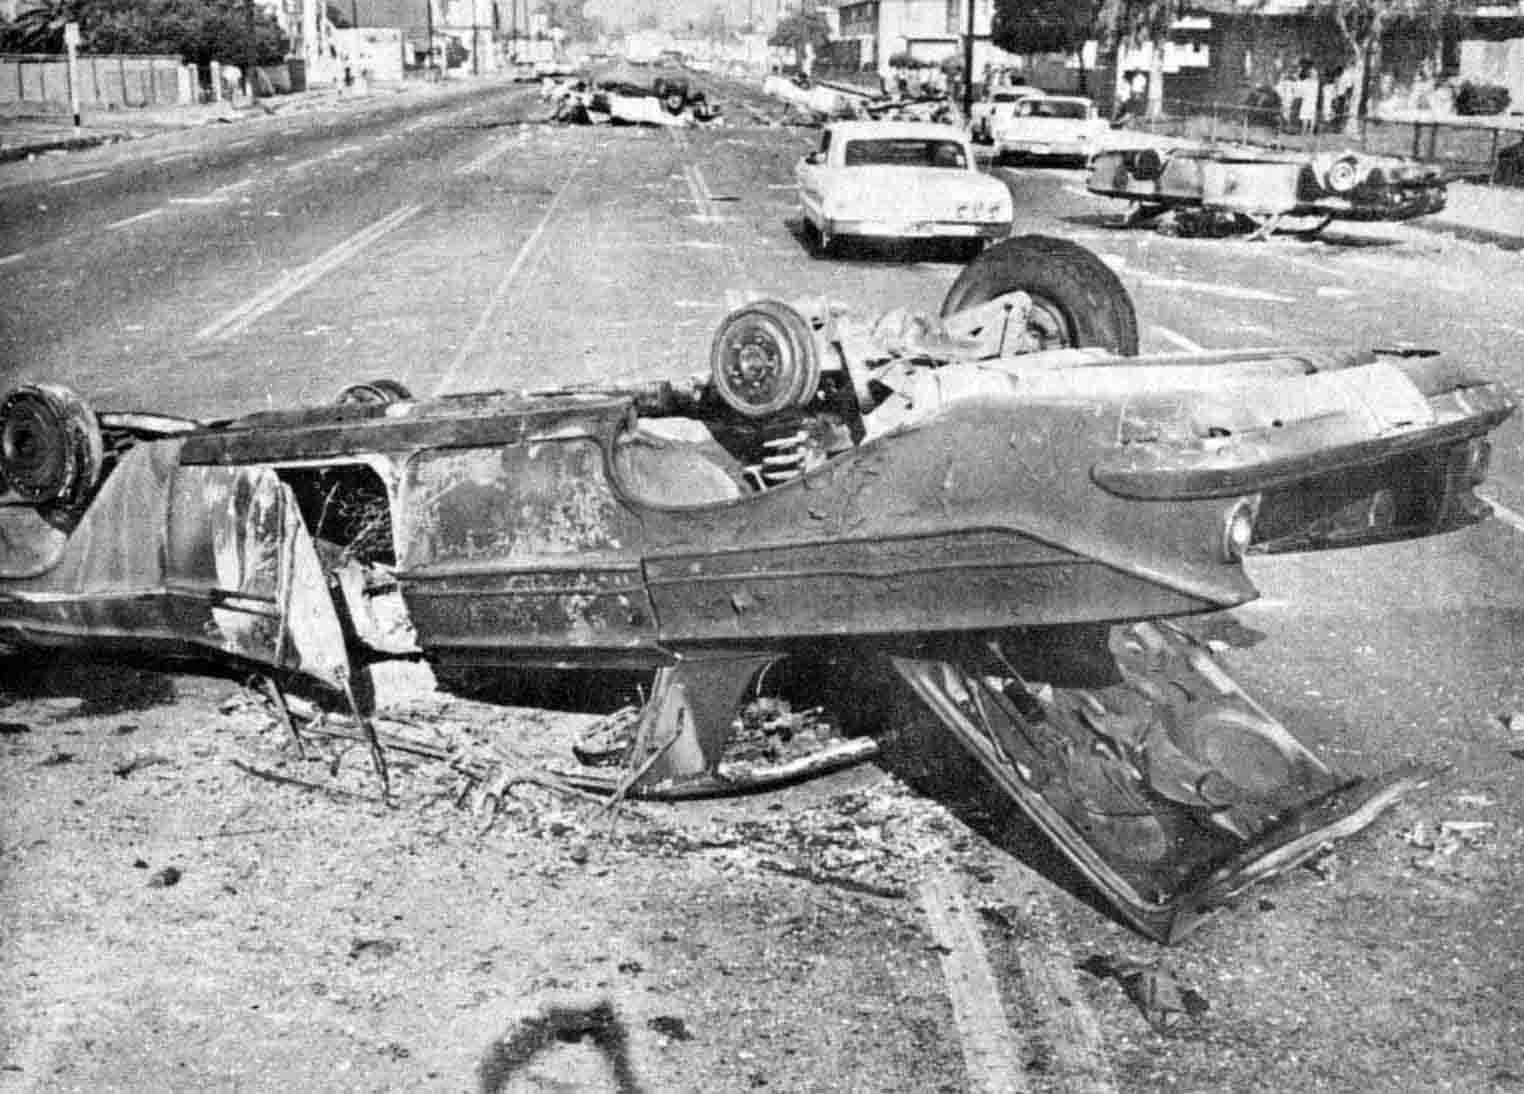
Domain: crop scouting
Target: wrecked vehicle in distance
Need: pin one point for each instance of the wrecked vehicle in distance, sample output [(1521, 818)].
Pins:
[(1218, 188), (997, 511)]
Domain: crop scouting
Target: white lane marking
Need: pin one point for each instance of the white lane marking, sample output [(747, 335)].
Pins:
[(419, 124), (292, 282), (240, 144), (1511, 328), (989, 1045), (137, 219), (485, 160), (176, 156), (6, 260), (1233, 292), (209, 199), (1174, 338), (500, 291), (1503, 513), (233, 187), (81, 178)]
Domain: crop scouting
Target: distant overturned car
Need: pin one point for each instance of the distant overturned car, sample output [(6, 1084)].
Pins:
[(982, 522), (1050, 126), (1219, 187), (899, 180)]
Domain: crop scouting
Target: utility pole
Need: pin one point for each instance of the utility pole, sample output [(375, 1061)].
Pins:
[(968, 62), (248, 67), (428, 12)]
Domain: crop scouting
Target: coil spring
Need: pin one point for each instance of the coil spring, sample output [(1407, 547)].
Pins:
[(785, 455)]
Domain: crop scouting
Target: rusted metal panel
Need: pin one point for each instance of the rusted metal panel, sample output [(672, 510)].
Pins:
[(192, 563), (985, 510), (521, 547)]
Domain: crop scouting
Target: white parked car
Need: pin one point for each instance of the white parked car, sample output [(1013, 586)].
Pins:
[(1054, 125), (997, 105), (899, 180)]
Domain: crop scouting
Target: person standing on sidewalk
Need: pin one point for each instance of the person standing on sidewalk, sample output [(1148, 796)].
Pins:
[(1307, 93)]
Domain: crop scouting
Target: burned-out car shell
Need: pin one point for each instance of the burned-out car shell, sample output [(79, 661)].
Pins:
[(947, 502)]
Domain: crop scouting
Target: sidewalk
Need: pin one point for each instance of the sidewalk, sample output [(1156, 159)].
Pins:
[(24, 137)]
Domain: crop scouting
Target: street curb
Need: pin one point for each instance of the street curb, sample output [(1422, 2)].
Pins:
[(68, 144)]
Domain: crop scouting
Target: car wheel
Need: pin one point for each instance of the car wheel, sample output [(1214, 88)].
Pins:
[(376, 391), (1077, 301), (51, 449), (764, 359)]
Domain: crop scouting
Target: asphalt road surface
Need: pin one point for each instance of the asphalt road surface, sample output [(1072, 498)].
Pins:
[(455, 243)]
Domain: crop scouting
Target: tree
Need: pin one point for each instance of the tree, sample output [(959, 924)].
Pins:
[(1361, 24), (39, 29), (1043, 26), (1133, 22), (200, 31), (803, 32), (570, 17)]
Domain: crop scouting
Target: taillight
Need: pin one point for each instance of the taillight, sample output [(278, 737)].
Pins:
[(1238, 530)]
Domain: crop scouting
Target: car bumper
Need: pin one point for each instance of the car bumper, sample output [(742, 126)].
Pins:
[(920, 229), (1072, 149)]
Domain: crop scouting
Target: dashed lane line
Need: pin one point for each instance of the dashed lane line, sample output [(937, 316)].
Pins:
[(6, 260), (989, 1047), (293, 282), (486, 159), (1206, 288), (77, 179), (1177, 339), (500, 291), (172, 159), (125, 221)]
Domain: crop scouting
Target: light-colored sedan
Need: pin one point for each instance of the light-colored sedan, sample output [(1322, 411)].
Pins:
[(1064, 126), (899, 180)]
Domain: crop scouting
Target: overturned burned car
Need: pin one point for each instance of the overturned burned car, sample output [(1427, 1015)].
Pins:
[(1221, 188), (999, 508)]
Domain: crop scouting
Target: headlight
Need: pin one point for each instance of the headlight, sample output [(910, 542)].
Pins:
[(1238, 530)]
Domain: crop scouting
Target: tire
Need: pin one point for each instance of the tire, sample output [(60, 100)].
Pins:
[(764, 359), (51, 449), (1077, 301), (375, 392)]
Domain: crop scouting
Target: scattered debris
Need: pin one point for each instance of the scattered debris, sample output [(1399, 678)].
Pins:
[(56, 759), (138, 762), (166, 878), (672, 1028), (1155, 991), (1444, 839), (376, 947)]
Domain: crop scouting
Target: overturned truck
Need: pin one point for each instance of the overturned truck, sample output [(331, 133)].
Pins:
[(1000, 507)]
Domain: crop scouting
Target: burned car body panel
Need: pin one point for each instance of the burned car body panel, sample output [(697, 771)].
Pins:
[(1003, 531), (1263, 184), (193, 562)]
